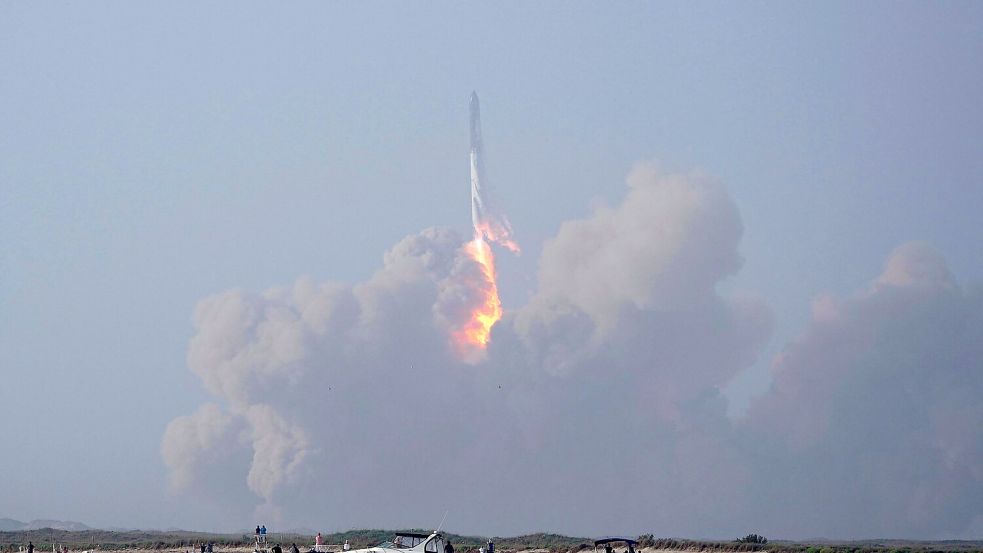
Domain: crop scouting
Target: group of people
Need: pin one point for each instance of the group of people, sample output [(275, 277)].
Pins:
[(489, 548), (54, 548), (320, 546), (261, 538), (277, 549), (206, 547)]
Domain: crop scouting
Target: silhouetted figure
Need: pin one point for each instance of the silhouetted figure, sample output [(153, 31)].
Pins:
[(30, 547), (448, 548), (293, 548)]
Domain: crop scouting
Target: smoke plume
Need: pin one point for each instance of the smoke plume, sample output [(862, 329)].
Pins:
[(595, 408), (875, 413)]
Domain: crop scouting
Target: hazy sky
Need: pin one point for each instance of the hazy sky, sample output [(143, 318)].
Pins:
[(153, 156)]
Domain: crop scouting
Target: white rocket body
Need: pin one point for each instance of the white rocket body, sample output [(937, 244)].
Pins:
[(488, 224), (477, 170)]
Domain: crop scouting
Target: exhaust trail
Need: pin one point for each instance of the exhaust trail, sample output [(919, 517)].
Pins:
[(488, 222), (490, 227)]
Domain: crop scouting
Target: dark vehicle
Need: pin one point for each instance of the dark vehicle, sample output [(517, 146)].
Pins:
[(615, 544)]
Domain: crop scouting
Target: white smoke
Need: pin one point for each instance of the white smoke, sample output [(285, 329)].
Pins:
[(874, 423), (597, 408), (197, 440)]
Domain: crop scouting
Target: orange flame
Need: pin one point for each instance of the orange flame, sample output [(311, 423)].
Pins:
[(497, 231), (472, 337)]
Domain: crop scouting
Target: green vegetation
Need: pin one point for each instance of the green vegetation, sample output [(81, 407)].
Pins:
[(107, 540)]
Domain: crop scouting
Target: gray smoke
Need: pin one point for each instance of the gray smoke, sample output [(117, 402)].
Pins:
[(875, 419), (597, 409)]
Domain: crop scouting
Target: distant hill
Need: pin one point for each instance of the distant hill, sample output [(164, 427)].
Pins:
[(11, 525), (68, 525)]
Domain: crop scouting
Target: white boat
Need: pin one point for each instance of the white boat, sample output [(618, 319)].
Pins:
[(406, 542)]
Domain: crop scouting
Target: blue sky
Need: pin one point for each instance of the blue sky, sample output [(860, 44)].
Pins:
[(153, 155)]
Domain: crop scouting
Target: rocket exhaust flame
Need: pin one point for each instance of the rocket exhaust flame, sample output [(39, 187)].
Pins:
[(473, 336), (489, 228)]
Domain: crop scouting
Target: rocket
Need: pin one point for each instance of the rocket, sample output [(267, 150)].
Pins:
[(477, 164), (488, 223), (490, 227)]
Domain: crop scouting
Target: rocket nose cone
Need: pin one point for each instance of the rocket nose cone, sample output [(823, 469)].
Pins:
[(474, 98)]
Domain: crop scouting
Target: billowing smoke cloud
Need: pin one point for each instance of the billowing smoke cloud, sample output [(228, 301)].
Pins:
[(197, 441), (876, 413), (596, 409)]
